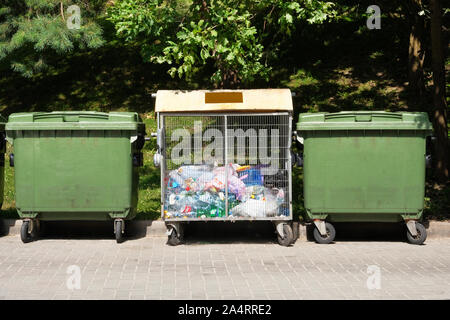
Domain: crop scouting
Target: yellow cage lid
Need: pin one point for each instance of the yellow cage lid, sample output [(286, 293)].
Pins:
[(223, 100)]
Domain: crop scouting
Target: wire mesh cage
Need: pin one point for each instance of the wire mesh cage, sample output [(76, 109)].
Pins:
[(222, 166)]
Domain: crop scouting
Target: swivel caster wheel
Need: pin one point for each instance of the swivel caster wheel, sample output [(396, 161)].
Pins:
[(119, 229), (287, 238), (326, 238), (174, 239), (420, 237), (27, 233)]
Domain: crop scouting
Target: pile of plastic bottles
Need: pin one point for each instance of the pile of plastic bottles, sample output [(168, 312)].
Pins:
[(198, 191)]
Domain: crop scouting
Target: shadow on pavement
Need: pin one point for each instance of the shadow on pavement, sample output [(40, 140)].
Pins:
[(88, 230), (218, 232), (264, 232), (370, 231)]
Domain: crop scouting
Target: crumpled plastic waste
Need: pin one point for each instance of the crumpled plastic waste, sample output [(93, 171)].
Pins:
[(235, 185), (198, 191), (251, 176), (256, 209)]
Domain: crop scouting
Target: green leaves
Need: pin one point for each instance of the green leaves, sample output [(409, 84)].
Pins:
[(225, 37), (311, 11), (218, 35), (34, 30), (139, 19), (288, 18)]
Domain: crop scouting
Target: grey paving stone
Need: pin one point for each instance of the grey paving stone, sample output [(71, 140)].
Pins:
[(149, 269)]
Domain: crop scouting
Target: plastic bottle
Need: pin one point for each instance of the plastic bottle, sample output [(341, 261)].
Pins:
[(176, 180)]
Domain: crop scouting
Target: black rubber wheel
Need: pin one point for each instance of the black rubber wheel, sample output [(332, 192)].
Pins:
[(118, 231), (174, 239), (421, 235), (331, 234), (288, 238), (25, 236)]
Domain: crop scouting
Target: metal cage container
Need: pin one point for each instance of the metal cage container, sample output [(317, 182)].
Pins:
[(225, 156)]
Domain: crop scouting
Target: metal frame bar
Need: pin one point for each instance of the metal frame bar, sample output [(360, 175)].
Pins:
[(289, 146), (225, 124), (218, 114), (282, 218), (161, 125)]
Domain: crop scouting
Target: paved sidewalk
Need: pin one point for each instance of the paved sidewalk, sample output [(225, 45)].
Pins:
[(148, 269)]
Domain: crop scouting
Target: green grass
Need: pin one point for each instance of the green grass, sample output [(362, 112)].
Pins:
[(437, 200)]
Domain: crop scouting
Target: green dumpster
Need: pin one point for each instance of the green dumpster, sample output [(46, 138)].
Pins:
[(75, 166), (364, 166), (2, 157)]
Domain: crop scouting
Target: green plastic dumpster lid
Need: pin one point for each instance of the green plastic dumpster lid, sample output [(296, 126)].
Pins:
[(75, 120), (364, 120)]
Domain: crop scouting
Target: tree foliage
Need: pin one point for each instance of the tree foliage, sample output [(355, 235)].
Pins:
[(31, 31), (233, 37)]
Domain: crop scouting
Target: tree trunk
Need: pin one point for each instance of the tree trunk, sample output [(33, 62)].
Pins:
[(416, 54), (439, 111)]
